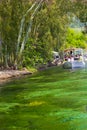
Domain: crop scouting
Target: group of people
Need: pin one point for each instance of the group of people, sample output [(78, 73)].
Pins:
[(70, 57)]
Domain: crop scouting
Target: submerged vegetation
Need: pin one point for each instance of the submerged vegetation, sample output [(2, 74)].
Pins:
[(54, 99)]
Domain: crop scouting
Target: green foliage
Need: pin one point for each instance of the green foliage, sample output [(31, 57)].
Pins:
[(81, 12), (36, 53), (11, 14), (47, 32), (81, 8), (75, 39), (54, 21)]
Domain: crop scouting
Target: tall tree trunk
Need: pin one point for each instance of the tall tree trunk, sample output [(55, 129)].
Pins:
[(21, 27), (19, 53), (6, 57)]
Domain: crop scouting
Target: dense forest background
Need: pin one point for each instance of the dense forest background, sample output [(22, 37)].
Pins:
[(31, 30)]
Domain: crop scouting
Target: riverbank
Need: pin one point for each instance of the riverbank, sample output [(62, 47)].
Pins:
[(6, 75)]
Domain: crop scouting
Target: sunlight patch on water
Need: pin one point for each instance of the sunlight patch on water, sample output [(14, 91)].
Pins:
[(37, 103)]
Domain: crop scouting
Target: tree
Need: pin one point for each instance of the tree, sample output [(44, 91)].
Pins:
[(48, 31), (75, 39), (45, 22), (81, 12), (11, 14)]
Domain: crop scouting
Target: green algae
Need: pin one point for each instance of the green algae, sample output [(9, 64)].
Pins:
[(54, 99)]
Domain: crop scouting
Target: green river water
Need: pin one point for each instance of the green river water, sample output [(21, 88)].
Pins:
[(54, 99)]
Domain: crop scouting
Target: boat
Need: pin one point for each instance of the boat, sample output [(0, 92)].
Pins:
[(74, 57)]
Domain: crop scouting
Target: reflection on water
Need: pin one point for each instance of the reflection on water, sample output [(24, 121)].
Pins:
[(54, 99)]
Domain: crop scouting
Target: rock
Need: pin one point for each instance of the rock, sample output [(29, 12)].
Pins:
[(67, 65)]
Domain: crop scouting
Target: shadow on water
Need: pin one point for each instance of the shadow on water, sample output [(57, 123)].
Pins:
[(54, 99)]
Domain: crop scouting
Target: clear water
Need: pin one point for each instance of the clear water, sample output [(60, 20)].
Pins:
[(54, 99)]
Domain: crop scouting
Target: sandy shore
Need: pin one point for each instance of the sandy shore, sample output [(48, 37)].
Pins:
[(6, 75)]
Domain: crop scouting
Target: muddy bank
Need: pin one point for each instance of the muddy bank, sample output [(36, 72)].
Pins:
[(6, 75)]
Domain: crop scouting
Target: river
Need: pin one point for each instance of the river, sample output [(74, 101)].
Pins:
[(54, 99)]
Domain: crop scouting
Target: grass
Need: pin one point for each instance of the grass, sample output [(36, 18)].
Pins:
[(54, 99)]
